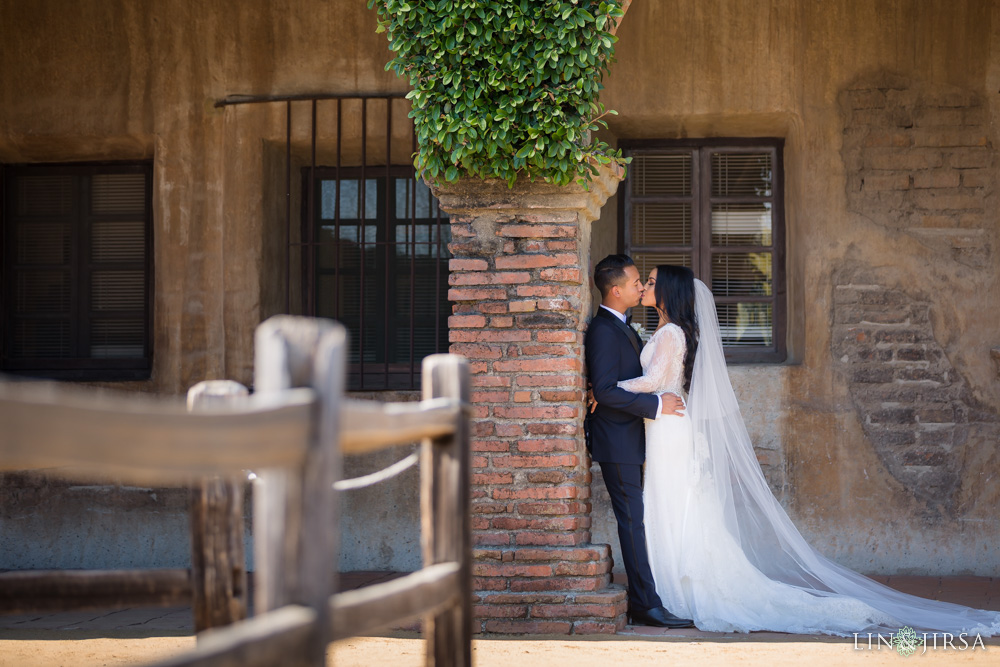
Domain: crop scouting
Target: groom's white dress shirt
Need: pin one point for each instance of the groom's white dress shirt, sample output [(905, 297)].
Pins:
[(624, 320)]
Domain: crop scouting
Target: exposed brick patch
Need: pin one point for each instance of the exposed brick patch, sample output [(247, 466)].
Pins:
[(914, 406), (537, 231), (561, 584), (467, 265), (534, 261), (488, 278), (475, 321), (921, 162)]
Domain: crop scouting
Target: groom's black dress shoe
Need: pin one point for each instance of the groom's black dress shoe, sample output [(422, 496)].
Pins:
[(658, 617)]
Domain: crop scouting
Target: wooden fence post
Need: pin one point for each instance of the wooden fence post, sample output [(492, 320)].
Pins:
[(295, 513), (444, 496), (295, 523), (218, 559)]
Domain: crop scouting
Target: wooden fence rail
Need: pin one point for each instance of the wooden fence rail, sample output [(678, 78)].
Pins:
[(293, 432), (50, 426)]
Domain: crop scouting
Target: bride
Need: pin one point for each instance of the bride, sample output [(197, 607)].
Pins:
[(722, 549)]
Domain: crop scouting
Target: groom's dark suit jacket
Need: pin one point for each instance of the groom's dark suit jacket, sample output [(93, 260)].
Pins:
[(617, 434)]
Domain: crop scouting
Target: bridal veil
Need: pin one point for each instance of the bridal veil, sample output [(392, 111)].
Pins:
[(756, 520)]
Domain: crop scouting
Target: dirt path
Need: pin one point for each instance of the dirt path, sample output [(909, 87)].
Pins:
[(45, 648)]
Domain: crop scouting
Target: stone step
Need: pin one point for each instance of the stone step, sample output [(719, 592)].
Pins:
[(587, 553), (610, 596), (561, 612), (541, 569)]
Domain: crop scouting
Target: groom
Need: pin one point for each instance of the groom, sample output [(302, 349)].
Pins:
[(617, 437)]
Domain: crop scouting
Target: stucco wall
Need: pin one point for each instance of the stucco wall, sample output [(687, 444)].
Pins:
[(725, 69), (118, 80), (112, 79)]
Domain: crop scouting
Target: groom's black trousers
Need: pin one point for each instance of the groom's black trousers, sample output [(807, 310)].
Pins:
[(624, 482)]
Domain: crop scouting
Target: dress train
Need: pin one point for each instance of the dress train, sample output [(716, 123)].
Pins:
[(722, 549)]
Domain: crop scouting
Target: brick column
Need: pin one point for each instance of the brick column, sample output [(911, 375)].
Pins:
[(520, 286)]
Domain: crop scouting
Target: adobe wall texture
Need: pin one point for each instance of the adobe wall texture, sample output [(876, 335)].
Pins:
[(879, 434), (117, 80)]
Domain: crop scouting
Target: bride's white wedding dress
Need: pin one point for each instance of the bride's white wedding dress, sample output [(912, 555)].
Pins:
[(723, 551)]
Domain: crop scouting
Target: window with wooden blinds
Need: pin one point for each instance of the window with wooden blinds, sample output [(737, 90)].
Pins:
[(715, 206), (76, 271)]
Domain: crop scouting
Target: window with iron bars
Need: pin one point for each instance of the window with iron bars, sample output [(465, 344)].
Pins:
[(371, 249), (379, 265), (715, 206)]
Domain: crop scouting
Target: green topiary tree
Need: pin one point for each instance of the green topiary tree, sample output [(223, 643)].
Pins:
[(504, 88)]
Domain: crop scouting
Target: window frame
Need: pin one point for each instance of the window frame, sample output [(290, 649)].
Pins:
[(360, 378), (76, 368), (701, 248)]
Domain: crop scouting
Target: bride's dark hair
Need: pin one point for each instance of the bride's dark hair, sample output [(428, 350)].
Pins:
[(674, 292)]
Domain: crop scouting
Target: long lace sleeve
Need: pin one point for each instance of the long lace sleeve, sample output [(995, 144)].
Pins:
[(664, 367)]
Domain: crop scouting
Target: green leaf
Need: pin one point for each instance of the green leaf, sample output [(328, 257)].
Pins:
[(503, 89)]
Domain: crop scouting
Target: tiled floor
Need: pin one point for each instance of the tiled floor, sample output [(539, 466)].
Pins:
[(170, 620), (980, 592), (161, 620)]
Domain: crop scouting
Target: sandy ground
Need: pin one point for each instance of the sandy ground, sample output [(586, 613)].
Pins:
[(30, 648), (604, 652), (143, 636)]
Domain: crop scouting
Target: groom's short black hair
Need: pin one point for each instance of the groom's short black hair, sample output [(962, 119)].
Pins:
[(610, 271)]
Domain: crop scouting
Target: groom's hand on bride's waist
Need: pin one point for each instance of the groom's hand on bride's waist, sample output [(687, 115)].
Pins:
[(672, 405)]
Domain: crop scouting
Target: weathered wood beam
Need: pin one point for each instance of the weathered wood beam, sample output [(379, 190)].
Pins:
[(61, 428), (369, 425), (378, 606), (100, 436), (218, 559), (295, 510), (276, 638), (444, 511)]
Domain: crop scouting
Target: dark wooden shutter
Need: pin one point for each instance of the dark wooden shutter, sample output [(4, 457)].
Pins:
[(42, 266), (348, 262), (117, 266), (660, 204), (76, 271), (739, 256), (715, 206)]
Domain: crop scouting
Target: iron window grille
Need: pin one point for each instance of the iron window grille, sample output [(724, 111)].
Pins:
[(715, 206), (371, 248), (77, 271), (377, 261)]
